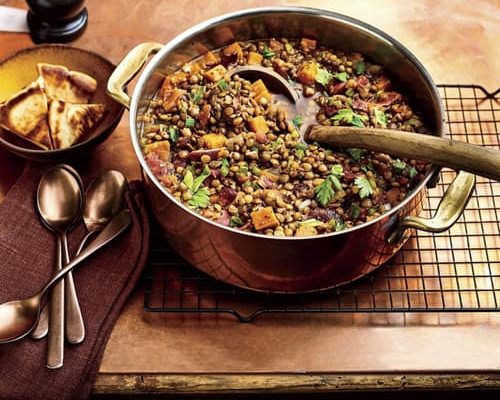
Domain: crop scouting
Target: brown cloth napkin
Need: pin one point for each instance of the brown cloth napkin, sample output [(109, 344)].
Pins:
[(104, 281)]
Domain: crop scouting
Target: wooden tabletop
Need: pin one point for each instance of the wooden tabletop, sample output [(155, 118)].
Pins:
[(457, 41)]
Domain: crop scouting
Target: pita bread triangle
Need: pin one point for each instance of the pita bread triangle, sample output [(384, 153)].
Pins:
[(68, 122), (25, 114), (63, 84)]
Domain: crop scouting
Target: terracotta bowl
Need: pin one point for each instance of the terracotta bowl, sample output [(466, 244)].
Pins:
[(19, 70)]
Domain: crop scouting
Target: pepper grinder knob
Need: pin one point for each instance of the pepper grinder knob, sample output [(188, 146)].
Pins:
[(56, 21)]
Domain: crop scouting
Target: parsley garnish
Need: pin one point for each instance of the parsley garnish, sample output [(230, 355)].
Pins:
[(197, 94), (224, 167), (235, 221), (399, 165), (300, 150), (173, 133), (324, 192), (223, 84), (355, 153), (412, 172), (359, 67), (339, 225), (349, 92), (323, 77), (190, 122), (364, 185), (199, 195), (297, 120), (288, 47), (350, 117), (337, 170), (341, 76), (268, 53), (381, 118), (355, 211)]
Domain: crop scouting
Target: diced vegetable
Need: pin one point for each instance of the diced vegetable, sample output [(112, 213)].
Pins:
[(258, 125), (214, 140), (308, 44), (261, 91), (216, 73), (307, 73), (264, 218), (254, 58), (162, 149), (208, 58), (171, 81), (170, 98), (306, 230), (233, 49)]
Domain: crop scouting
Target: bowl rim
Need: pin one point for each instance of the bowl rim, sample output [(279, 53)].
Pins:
[(33, 153), (310, 11)]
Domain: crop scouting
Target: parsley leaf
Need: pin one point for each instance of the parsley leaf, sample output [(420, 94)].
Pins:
[(355, 211), (341, 76), (335, 182), (223, 84), (297, 120), (300, 150), (268, 53), (350, 117), (323, 76), (337, 170), (359, 67), (399, 165), (190, 122), (235, 221), (197, 94), (338, 225), (200, 198), (173, 133), (199, 179), (324, 192), (412, 172), (364, 185), (224, 167), (355, 153), (188, 179), (381, 118), (288, 47)]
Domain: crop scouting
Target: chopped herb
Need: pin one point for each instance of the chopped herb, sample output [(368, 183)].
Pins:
[(350, 117), (190, 122), (288, 47), (188, 179), (337, 170), (412, 172), (173, 133), (335, 182), (243, 169), (310, 222), (364, 185), (355, 211), (359, 67), (200, 198), (297, 120), (300, 150), (372, 211), (256, 170), (235, 221), (197, 94), (224, 167), (199, 179), (268, 53), (323, 77), (324, 192), (399, 165), (381, 118), (339, 225), (349, 92), (367, 167), (223, 84), (355, 154), (341, 76)]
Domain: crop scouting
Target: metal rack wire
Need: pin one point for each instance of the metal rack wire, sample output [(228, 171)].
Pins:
[(458, 270)]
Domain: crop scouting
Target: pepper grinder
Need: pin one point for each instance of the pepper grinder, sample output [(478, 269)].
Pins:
[(56, 21)]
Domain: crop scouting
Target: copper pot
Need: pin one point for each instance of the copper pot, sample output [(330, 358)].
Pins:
[(287, 264)]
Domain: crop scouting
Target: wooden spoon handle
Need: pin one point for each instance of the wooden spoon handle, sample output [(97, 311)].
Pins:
[(436, 150)]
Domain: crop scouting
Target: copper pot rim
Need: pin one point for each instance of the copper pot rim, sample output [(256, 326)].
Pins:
[(360, 25)]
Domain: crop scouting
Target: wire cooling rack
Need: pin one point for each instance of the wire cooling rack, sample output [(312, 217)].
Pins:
[(458, 270)]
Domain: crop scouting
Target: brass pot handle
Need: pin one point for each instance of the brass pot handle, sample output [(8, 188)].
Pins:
[(127, 69), (450, 208)]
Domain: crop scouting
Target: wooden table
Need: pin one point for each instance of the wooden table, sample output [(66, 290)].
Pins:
[(457, 41)]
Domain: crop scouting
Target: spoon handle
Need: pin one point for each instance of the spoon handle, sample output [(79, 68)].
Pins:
[(444, 152), (55, 350), (74, 326), (116, 226)]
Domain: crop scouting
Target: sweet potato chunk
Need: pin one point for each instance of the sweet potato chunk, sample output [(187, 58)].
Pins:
[(307, 73), (162, 149), (260, 90), (264, 218), (233, 49), (216, 73), (171, 81), (214, 140), (258, 125), (306, 230), (170, 98), (208, 58), (308, 44), (254, 58)]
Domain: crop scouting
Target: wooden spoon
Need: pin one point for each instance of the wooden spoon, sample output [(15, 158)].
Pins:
[(440, 151)]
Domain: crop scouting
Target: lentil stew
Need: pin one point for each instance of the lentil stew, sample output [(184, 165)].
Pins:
[(232, 151)]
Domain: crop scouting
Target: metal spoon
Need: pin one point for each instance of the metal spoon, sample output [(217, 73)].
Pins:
[(443, 152), (19, 317), (59, 202), (105, 196)]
